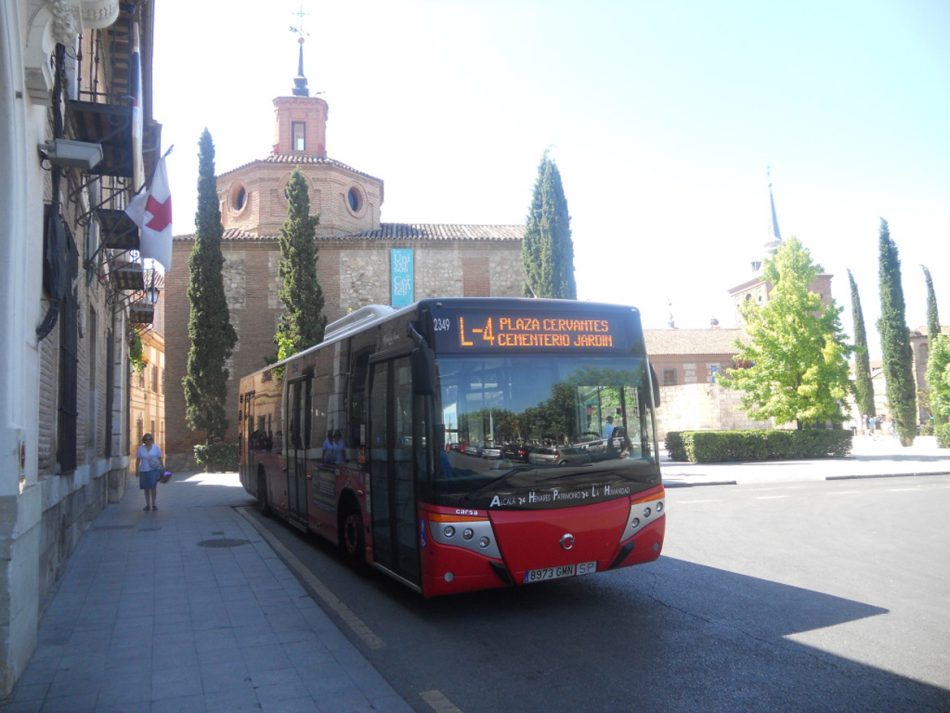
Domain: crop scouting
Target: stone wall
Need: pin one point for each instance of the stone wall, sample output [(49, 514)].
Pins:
[(707, 407), (64, 521)]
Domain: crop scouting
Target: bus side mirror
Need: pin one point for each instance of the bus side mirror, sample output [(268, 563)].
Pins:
[(656, 387), (422, 363)]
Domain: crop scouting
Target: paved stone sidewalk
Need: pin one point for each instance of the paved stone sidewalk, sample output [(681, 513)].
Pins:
[(188, 609)]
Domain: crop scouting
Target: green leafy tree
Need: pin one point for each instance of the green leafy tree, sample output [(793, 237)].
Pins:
[(938, 377), (303, 323), (209, 323), (547, 250), (895, 341), (796, 350), (863, 387)]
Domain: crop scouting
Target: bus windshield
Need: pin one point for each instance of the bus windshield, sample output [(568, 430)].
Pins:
[(540, 421)]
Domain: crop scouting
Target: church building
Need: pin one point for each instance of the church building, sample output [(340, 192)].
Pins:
[(361, 260), (687, 361)]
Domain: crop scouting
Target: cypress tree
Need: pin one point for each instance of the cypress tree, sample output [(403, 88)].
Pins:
[(863, 387), (895, 341), (547, 250), (209, 323), (933, 331), (933, 319), (303, 323)]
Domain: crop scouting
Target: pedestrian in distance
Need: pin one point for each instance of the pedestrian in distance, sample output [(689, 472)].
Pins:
[(149, 463)]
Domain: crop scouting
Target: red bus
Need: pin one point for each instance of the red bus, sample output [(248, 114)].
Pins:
[(465, 443)]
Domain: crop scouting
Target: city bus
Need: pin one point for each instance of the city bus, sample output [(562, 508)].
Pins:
[(461, 444)]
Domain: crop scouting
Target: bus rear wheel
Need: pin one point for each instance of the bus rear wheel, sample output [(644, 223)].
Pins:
[(262, 504), (352, 540)]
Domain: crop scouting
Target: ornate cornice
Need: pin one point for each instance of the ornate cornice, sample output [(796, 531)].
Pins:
[(99, 14), (65, 21), (55, 22)]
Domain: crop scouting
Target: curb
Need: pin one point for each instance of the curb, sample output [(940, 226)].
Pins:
[(887, 475), (681, 484), (858, 476)]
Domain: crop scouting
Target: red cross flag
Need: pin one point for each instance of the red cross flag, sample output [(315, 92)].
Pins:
[(151, 210)]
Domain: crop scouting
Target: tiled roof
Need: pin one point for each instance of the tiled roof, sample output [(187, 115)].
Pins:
[(298, 159), (691, 341), (400, 231), (438, 231)]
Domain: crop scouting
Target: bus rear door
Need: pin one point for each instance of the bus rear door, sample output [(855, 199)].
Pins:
[(298, 420)]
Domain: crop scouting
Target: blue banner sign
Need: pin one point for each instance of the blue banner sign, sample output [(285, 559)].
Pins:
[(400, 273)]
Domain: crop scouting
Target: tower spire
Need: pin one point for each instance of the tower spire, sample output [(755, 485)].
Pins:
[(775, 235), (300, 81)]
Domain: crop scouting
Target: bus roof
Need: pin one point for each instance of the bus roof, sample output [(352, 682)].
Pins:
[(374, 314)]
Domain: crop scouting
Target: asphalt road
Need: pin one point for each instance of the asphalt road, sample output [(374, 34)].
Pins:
[(818, 596)]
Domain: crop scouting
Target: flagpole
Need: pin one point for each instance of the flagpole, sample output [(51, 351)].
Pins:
[(148, 180)]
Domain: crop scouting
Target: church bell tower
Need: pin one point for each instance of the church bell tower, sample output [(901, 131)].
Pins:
[(301, 119)]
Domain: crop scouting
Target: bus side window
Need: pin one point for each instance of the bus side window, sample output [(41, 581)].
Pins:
[(357, 414)]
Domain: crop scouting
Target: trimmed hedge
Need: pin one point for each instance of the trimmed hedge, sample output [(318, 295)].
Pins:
[(943, 435), (719, 446), (675, 446), (217, 457)]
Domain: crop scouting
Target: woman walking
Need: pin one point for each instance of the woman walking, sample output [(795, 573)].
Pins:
[(148, 463)]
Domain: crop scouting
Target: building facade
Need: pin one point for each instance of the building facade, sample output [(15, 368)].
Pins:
[(69, 161), (361, 260), (147, 383)]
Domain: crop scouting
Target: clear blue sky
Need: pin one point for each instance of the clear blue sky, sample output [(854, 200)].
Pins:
[(662, 117)]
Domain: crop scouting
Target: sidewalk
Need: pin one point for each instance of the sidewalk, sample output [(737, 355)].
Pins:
[(188, 609), (870, 458)]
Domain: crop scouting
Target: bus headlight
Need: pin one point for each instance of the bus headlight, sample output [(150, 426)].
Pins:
[(477, 533), (642, 513)]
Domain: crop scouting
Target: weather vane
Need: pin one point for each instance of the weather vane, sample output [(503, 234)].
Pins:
[(298, 30)]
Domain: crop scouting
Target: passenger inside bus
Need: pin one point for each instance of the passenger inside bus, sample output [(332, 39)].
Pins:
[(334, 449)]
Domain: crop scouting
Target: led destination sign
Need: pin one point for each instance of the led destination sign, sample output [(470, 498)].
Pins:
[(480, 331), (558, 332)]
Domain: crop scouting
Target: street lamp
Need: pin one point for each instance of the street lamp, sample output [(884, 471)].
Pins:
[(152, 291)]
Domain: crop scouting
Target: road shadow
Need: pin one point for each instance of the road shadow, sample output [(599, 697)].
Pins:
[(671, 636)]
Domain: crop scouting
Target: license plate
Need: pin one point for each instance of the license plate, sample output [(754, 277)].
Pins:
[(567, 570)]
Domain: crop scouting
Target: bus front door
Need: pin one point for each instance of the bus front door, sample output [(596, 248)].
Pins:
[(392, 476), (298, 420)]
